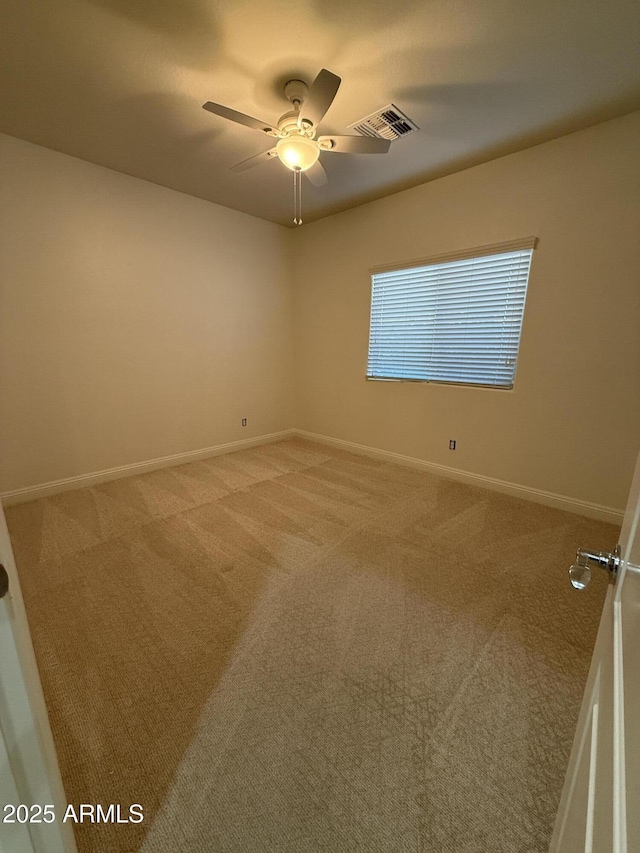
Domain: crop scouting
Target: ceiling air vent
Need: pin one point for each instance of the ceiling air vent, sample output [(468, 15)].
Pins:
[(387, 123)]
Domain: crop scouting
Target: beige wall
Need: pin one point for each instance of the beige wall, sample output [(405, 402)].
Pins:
[(136, 322), (572, 423)]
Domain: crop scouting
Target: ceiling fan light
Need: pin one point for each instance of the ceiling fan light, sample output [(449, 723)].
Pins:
[(297, 152)]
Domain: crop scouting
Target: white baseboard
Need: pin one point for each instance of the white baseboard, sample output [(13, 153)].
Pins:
[(31, 493), (590, 510), (580, 507)]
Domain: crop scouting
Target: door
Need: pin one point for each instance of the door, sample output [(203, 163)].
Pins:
[(599, 805), (29, 775)]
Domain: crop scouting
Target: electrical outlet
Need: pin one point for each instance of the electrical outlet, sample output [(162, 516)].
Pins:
[(452, 444), (244, 422)]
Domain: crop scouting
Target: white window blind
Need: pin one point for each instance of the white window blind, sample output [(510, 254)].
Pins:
[(452, 321)]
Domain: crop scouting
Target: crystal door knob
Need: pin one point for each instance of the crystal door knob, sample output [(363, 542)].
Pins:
[(580, 571), (579, 576)]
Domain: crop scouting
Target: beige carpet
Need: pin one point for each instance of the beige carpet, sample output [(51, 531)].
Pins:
[(295, 649)]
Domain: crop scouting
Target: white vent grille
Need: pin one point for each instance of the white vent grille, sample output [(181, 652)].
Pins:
[(387, 123)]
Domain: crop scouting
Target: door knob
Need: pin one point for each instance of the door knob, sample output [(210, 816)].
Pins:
[(579, 576), (4, 581), (580, 571)]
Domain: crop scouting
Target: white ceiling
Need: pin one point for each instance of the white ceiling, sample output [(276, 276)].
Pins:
[(121, 83)]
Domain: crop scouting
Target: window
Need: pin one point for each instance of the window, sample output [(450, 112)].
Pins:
[(455, 318)]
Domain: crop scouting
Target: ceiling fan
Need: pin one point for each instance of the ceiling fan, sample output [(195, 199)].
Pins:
[(297, 147)]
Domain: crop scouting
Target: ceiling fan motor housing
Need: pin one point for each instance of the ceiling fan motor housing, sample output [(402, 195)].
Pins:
[(288, 125)]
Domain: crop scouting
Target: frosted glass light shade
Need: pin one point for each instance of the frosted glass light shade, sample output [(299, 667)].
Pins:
[(297, 152)]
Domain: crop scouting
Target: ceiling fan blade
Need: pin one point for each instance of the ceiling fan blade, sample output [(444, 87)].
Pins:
[(239, 118), (321, 94), (354, 144), (317, 175), (256, 160)]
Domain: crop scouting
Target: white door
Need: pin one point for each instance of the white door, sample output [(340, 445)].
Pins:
[(29, 775), (600, 805)]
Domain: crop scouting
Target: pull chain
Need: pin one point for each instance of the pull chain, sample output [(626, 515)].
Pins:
[(297, 197)]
